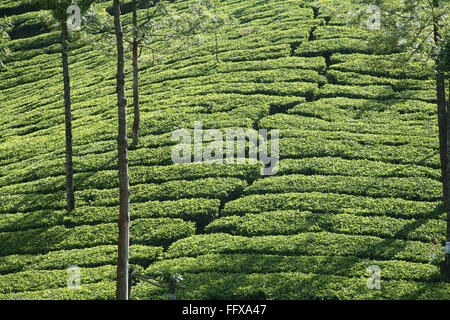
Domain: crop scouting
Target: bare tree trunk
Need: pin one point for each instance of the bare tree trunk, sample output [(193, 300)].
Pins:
[(137, 117), (70, 197), (442, 112), (122, 145), (440, 85), (443, 135)]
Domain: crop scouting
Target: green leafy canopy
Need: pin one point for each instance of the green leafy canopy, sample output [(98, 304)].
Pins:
[(416, 29)]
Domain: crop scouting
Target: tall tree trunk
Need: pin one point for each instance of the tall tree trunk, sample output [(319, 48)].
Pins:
[(442, 112), (70, 198), (440, 85), (444, 136), (122, 146), (137, 117)]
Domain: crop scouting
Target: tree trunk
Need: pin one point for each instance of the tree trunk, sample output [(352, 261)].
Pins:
[(442, 112), (440, 84), (122, 146), (443, 135), (137, 117), (70, 198)]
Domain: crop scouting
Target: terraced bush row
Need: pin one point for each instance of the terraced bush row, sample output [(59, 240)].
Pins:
[(353, 78), (252, 13), (211, 188), (235, 52), (334, 203), (352, 267), (255, 106), (29, 77), (366, 92), (404, 154), (373, 111), (380, 65), (320, 243), (201, 211), (292, 286), (14, 7), (363, 138), (43, 125), (427, 95), (395, 127), (85, 257), (83, 120), (325, 47), (348, 31), (101, 139), (96, 291), (237, 55), (230, 52), (154, 232), (350, 104), (414, 188), (260, 35), (283, 286), (302, 89), (18, 66), (361, 168), (138, 175), (264, 76), (293, 222), (27, 48), (51, 279), (40, 167), (210, 103), (152, 75)]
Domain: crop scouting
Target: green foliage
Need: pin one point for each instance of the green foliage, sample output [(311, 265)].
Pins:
[(293, 286), (381, 65), (357, 126), (444, 55), (294, 222), (351, 267), (357, 168), (330, 46), (85, 257), (58, 8), (96, 291), (320, 243), (407, 188), (198, 210), (154, 232), (5, 27), (39, 280), (334, 203), (365, 92)]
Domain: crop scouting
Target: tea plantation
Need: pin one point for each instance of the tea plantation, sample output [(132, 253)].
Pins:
[(358, 183)]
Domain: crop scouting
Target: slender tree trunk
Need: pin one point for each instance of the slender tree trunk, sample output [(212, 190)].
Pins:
[(443, 135), (442, 112), (440, 84), (137, 117), (122, 145), (70, 198)]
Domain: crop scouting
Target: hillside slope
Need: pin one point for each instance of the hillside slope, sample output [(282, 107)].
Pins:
[(357, 187)]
